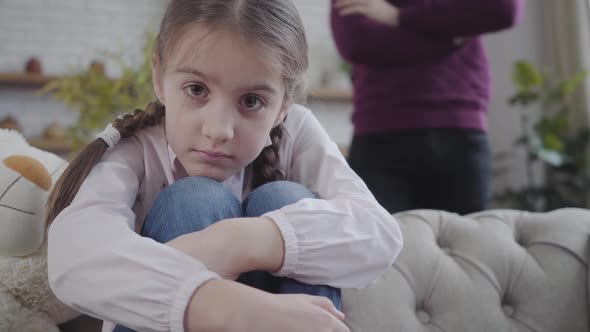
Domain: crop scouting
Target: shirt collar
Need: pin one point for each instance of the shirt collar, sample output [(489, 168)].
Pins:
[(178, 170)]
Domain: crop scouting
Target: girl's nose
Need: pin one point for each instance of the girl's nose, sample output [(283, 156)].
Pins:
[(218, 124)]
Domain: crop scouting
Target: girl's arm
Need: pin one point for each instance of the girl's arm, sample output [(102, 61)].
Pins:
[(256, 244), (98, 265), (345, 239)]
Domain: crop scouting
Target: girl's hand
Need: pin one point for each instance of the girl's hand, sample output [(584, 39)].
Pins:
[(378, 10), (295, 313), (221, 305)]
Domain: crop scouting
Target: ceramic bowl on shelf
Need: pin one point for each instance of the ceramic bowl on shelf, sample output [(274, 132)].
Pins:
[(54, 132), (10, 122), (33, 66)]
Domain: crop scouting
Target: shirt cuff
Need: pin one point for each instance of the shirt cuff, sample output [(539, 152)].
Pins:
[(183, 296), (291, 260)]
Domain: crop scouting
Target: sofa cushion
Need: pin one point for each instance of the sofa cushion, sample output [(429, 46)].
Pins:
[(495, 271)]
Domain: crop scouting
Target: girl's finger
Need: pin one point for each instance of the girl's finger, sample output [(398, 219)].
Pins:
[(326, 304), (341, 327)]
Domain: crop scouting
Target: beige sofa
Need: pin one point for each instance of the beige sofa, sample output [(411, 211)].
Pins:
[(493, 271)]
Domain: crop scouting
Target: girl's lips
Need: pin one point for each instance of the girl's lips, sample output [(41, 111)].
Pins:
[(212, 155)]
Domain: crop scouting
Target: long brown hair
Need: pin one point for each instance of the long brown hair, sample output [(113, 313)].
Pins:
[(272, 25)]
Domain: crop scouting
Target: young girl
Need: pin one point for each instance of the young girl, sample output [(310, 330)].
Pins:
[(224, 178)]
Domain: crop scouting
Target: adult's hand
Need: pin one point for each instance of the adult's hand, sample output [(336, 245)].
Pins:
[(377, 10)]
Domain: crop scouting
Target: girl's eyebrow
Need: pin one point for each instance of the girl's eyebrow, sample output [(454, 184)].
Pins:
[(193, 71), (262, 87), (257, 87)]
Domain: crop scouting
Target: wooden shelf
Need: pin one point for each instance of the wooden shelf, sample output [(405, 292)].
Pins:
[(330, 94), (37, 81), (23, 79)]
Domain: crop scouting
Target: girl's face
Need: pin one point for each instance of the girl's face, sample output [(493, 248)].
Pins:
[(222, 99)]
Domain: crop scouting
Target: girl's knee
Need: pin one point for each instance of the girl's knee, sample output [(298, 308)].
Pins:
[(274, 195), (189, 205), (192, 192)]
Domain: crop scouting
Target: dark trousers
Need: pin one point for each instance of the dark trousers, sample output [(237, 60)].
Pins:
[(445, 169)]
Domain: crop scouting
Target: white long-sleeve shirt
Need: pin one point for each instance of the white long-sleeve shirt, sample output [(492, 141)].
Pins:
[(101, 266)]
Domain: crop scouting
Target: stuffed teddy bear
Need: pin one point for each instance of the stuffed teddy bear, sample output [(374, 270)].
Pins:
[(27, 175)]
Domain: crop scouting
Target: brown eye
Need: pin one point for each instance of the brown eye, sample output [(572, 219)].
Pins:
[(197, 90), (252, 102)]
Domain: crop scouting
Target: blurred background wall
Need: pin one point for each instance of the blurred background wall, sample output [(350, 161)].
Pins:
[(66, 35)]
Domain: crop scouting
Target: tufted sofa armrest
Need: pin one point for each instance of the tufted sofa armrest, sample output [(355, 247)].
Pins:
[(499, 270)]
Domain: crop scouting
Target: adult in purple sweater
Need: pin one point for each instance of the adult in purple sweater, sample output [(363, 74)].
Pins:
[(421, 93)]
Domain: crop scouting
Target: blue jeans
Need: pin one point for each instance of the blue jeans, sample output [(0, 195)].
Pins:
[(194, 203)]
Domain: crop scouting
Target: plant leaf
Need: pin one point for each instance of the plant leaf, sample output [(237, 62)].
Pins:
[(526, 76)]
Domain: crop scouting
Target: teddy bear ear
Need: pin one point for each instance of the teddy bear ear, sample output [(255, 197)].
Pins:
[(31, 169)]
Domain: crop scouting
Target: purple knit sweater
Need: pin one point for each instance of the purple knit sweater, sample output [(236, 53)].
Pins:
[(415, 75)]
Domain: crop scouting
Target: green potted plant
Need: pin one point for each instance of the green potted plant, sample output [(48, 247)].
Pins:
[(99, 99), (552, 141)]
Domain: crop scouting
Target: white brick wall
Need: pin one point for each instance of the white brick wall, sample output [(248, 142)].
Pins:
[(69, 34), (323, 57), (65, 35), (322, 52)]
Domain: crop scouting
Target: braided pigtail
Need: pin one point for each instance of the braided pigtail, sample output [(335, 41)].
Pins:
[(70, 181), (265, 166)]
